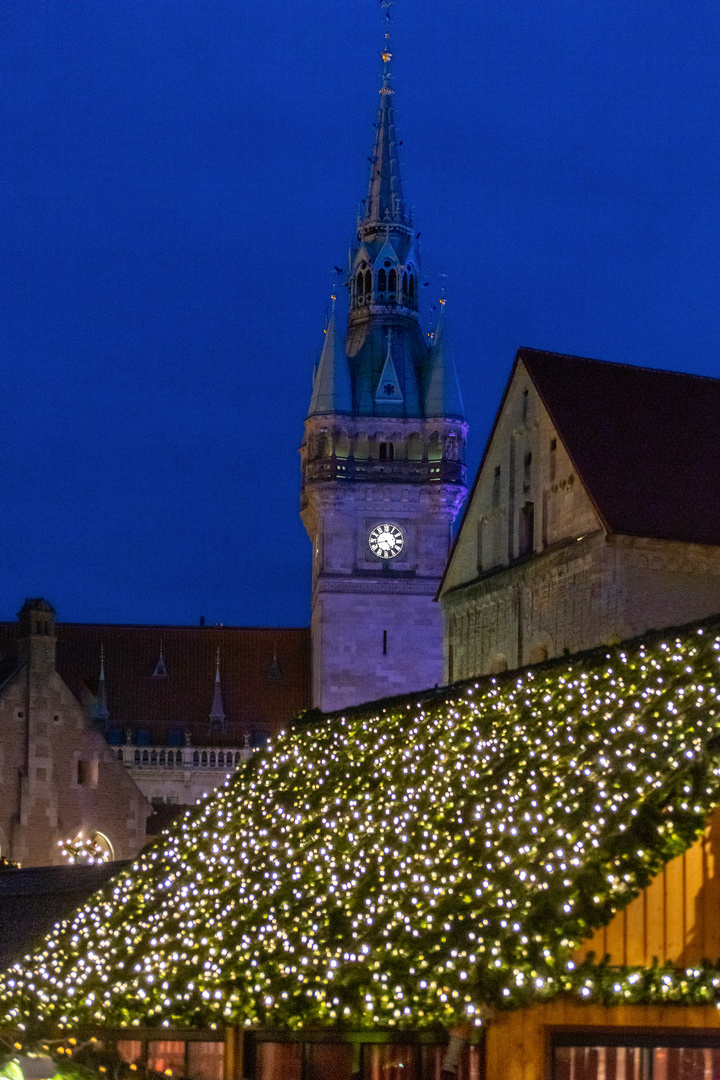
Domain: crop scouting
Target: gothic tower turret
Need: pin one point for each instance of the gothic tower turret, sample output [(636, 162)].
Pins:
[(383, 474)]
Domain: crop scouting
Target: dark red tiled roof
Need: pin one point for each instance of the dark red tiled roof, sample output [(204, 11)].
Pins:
[(258, 693), (645, 442)]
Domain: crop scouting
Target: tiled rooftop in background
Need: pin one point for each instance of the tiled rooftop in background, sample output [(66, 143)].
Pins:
[(265, 675)]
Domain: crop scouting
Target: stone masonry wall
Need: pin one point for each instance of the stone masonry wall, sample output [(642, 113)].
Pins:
[(48, 795)]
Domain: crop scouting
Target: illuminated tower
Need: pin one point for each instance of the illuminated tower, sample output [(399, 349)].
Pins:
[(383, 474)]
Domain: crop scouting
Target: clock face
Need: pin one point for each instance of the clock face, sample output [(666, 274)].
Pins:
[(386, 541)]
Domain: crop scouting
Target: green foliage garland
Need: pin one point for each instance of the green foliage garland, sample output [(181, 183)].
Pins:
[(413, 864)]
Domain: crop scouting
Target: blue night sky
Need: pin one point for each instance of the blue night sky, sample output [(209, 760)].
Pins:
[(179, 179)]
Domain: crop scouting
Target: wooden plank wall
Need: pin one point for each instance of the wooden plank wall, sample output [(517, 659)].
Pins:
[(518, 1043), (676, 918)]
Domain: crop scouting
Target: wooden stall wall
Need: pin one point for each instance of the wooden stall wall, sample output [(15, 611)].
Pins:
[(676, 918), (518, 1043)]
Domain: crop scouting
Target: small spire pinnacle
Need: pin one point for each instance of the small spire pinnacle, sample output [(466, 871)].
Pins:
[(160, 671), (100, 711), (332, 391), (217, 713), (443, 397)]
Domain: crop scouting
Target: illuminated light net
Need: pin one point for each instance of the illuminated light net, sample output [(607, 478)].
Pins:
[(411, 863)]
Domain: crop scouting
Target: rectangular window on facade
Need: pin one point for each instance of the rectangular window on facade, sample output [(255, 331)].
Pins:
[(527, 529), (646, 1062), (481, 559), (130, 1051), (205, 1060), (279, 1061), (167, 1055), (330, 1061), (88, 773), (496, 487)]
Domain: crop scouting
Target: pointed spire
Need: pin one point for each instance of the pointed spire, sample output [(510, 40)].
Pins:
[(388, 387), (217, 713), (332, 392), (443, 397), (385, 202), (275, 672), (160, 671), (100, 710)]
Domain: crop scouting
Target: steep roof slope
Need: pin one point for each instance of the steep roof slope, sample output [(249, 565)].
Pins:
[(410, 862), (33, 899), (645, 442)]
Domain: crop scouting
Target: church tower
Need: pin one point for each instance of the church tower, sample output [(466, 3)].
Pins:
[(383, 474)]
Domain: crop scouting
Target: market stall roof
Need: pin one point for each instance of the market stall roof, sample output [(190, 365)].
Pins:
[(411, 862), (33, 899)]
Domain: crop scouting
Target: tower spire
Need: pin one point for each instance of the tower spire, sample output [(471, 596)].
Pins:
[(385, 202)]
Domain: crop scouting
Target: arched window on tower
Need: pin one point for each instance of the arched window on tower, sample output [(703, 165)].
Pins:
[(411, 288), (382, 281), (405, 285), (392, 281), (368, 284), (360, 286), (435, 447), (415, 447)]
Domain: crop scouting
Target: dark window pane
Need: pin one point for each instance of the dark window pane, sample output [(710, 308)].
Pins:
[(205, 1060), (279, 1061), (331, 1061), (391, 1062)]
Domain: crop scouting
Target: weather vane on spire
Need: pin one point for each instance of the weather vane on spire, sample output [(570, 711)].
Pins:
[(386, 54)]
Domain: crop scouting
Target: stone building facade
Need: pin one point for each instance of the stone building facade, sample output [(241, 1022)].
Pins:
[(61, 783), (383, 473), (594, 516), (181, 706)]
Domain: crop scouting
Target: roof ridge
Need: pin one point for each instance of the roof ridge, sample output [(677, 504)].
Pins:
[(523, 349)]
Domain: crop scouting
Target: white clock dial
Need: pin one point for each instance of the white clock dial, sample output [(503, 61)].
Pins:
[(386, 541)]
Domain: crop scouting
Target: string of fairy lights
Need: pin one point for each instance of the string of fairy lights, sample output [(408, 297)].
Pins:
[(414, 865)]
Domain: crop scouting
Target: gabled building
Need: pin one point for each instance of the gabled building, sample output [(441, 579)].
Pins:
[(181, 706), (383, 474), (512, 877), (65, 795), (594, 516)]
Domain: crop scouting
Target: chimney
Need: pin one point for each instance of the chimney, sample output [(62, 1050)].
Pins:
[(36, 636)]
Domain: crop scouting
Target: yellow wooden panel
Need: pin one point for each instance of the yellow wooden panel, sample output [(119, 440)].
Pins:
[(635, 931), (655, 919), (694, 949), (675, 908), (615, 938), (711, 889)]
